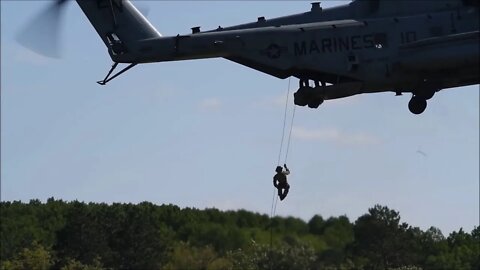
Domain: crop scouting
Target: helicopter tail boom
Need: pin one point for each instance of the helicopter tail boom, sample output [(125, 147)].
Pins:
[(119, 24)]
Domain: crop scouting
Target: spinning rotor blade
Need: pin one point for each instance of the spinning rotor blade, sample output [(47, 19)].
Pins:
[(41, 34)]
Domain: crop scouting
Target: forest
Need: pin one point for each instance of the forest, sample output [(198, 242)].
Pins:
[(91, 236)]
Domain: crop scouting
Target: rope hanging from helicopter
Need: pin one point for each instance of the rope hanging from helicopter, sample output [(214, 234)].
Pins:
[(285, 126), (275, 199), (273, 209)]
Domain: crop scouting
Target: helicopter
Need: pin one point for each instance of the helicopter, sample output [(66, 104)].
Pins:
[(366, 46)]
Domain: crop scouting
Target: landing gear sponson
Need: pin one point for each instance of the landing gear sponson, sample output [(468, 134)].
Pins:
[(315, 96), (307, 95)]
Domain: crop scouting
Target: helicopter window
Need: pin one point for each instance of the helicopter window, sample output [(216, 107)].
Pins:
[(380, 40)]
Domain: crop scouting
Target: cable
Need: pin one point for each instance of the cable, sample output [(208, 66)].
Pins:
[(271, 232), (284, 123), (273, 208), (290, 135)]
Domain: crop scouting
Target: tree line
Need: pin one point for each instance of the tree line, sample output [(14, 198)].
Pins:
[(77, 235)]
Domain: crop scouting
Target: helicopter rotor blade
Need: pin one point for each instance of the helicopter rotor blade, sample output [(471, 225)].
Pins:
[(42, 33)]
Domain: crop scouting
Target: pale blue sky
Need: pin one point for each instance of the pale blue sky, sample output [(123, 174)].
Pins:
[(207, 133)]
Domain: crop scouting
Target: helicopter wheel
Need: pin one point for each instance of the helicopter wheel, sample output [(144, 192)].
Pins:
[(300, 99), (315, 103), (302, 96), (417, 105)]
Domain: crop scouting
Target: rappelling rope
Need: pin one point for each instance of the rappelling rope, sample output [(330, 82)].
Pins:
[(274, 201), (290, 135), (284, 123), (273, 209)]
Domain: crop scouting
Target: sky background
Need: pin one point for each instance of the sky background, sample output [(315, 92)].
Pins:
[(207, 133)]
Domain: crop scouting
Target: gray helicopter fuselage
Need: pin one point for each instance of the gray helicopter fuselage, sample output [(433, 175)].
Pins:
[(378, 51), (364, 47)]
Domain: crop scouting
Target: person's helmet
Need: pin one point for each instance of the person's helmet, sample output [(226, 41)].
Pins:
[(279, 169)]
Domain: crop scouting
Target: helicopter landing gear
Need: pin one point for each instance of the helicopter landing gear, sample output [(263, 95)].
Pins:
[(114, 66), (315, 103), (426, 94), (307, 95), (300, 98), (417, 105)]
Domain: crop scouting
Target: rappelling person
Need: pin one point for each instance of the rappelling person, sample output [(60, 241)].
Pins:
[(280, 181)]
